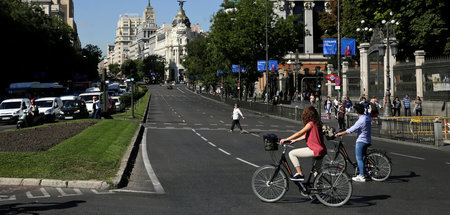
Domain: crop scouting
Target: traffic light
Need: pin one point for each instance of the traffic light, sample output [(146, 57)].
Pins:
[(319, 84), (132, 79)]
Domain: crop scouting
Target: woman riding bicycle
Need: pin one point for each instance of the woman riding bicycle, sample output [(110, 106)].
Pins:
[(363, 140), (312, 132)]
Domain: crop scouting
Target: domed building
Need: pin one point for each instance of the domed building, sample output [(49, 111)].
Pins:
[(170, 41)]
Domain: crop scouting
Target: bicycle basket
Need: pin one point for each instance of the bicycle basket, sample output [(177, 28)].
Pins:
[(270, 142)]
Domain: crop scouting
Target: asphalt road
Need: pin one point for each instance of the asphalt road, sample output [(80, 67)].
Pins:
[(190, 164)]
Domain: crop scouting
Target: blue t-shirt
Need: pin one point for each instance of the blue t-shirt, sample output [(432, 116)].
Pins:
[(407, 102), (348, 103)]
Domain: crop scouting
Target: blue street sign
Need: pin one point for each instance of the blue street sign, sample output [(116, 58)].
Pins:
[(235, 68), (329, 46), (152, 74)]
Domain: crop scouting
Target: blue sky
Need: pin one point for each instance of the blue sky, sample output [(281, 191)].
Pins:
[(97, 19)]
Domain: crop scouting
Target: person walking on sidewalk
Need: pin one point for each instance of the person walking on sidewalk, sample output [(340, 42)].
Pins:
[(336, 107), (327, 106), (397, 105), (418, 106), (407, 105), (341, 116), (237, 114)]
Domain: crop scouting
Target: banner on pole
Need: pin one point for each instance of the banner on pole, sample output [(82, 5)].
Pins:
[(348, 46), (329, 46)]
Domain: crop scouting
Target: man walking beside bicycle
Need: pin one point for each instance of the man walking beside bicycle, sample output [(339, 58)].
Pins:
[(363, 140), (312, 132)]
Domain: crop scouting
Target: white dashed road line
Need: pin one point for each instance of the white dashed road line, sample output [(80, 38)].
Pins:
[(77, 192), (408, 156), (227, 153), (244, 161)]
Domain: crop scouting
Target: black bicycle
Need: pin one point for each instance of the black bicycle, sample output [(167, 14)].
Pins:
[(378, 165), (331, 186)]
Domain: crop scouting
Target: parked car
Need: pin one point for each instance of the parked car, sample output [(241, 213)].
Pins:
[(50, 107), (73, 108), (117, 102), (12, 109), (87, 98)]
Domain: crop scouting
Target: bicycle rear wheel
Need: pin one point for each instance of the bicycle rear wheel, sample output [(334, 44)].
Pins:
[(334, 190), (379, 166), (264, 189), (335, 160)]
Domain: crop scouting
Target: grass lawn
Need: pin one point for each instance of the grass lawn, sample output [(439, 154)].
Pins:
[(139, 110), (95, 153)]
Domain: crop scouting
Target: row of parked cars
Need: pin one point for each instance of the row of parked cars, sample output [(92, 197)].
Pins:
[(53, 108)]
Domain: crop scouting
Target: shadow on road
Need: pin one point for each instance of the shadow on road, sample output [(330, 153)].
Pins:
[(365, 201), (36, 207), (401, 178)]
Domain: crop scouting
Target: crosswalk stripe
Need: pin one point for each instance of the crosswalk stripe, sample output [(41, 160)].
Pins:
[(7, 198), (43, 191), (77, 192)]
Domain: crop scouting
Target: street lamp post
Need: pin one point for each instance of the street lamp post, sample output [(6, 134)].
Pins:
[(388, 106)]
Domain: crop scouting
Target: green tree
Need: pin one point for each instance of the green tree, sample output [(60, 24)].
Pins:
[(129, 68), (40, 47), (114, 69), (91, 55), (238, 36), (153, 64)]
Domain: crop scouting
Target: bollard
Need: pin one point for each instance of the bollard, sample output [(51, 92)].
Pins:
[(438, 137)]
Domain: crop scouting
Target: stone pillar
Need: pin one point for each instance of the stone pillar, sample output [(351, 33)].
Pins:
[(344, 80), (420, 59), (329, 71), (309, 19), (364, 68), (392, 62)]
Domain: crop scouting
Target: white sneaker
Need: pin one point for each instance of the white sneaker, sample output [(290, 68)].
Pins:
[(359, 178)]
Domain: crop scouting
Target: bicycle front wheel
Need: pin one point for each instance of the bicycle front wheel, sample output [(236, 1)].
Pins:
[(266, 190), (335, 160), (379, 166), (333, 190)]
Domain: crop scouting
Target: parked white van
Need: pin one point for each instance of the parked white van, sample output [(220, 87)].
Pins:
[(12, 109)]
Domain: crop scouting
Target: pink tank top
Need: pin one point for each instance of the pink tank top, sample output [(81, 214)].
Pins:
[(314, 140)]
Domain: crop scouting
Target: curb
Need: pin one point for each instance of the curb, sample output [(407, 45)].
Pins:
[(120, 179)]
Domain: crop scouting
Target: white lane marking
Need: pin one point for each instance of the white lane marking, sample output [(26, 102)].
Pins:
[(43, 191), (447, 163), (221, 121), (260, 122), (184, 121), (224, 151), (212, 144), (255, 135), (198, 124), (136, 191), (408, 156), (100, 193), (180, 90), (77, 192), (7, 198), (251, 164), (156, 184), (204, 139)]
